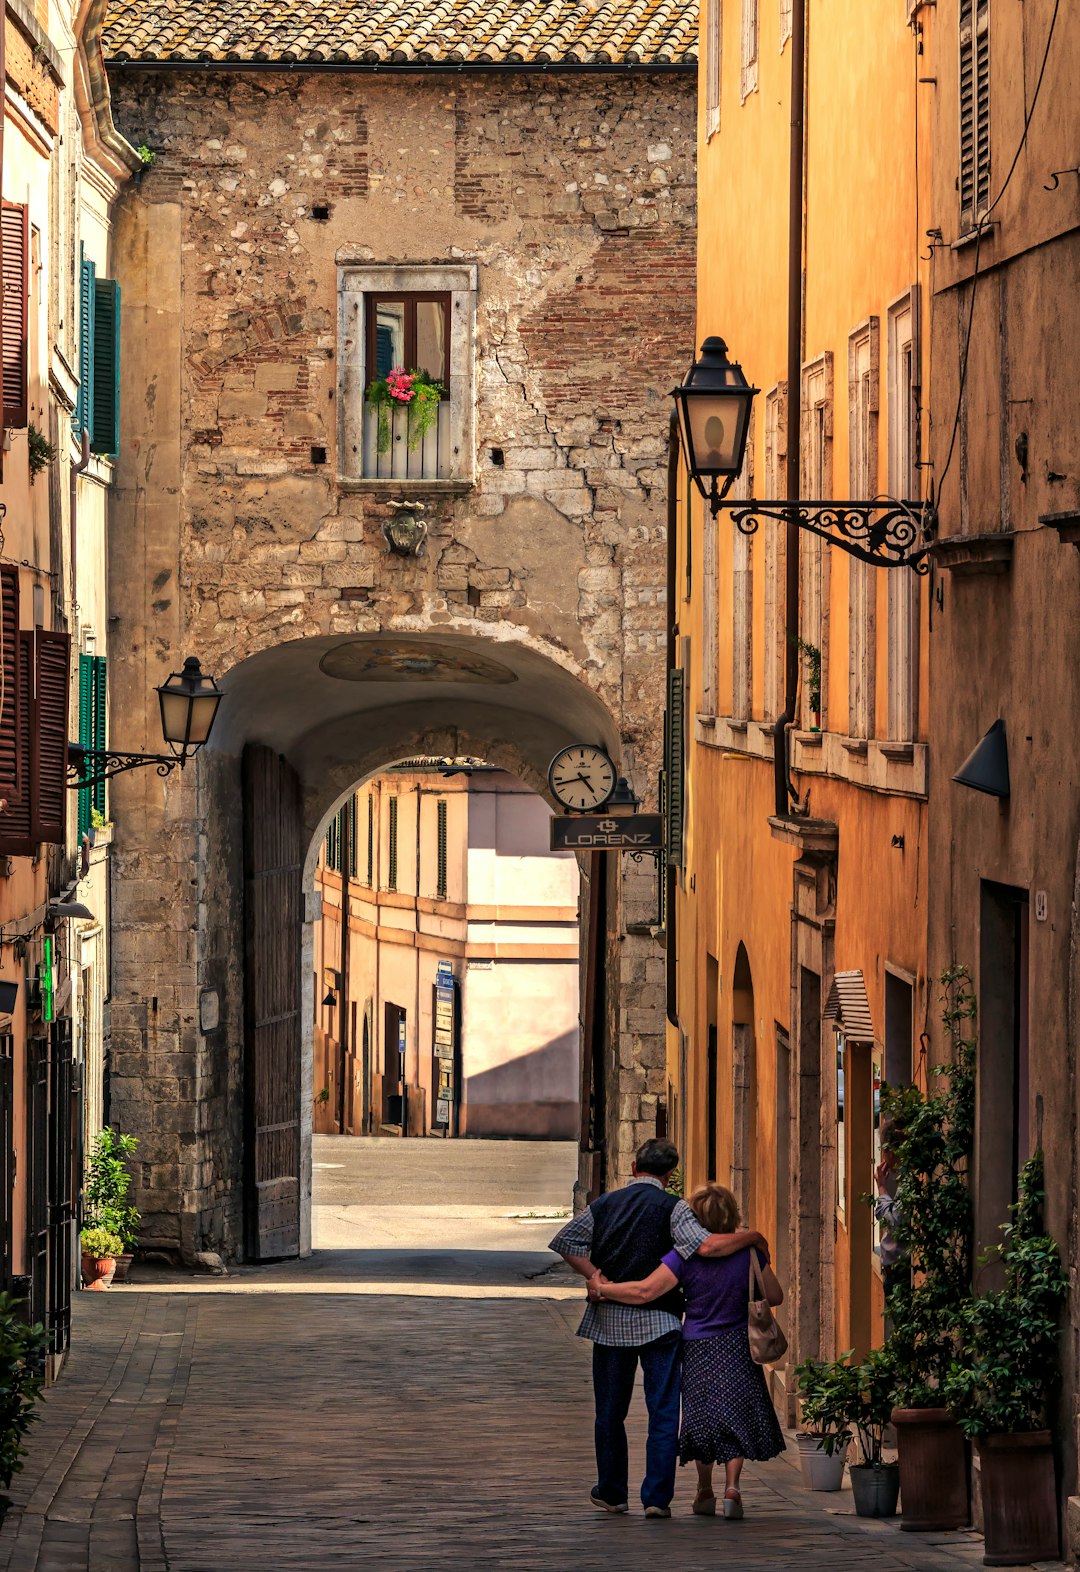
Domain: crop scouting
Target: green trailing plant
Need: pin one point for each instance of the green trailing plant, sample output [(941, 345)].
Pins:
[(42, 453), (931, 1136), (842, 1401), (414, 390), (98, 819), (147, 156), (1003, 1378), (22, 1358), (812, 661), (101, 1243), (108, 1180)]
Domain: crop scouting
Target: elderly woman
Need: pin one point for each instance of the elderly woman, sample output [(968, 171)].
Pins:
[(726, 1412)]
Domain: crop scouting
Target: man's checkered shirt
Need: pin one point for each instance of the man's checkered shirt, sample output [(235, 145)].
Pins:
[(628, 1326)]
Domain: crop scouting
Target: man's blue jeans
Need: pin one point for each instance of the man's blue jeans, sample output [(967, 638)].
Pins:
[(613, 1385)]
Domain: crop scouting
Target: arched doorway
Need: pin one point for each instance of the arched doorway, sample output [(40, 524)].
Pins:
[(744, 1087), (302, 724)]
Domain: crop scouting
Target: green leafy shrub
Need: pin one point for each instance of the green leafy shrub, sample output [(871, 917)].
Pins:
[(108, 1180), (101, 1243), (1002, 1378), (41, 452), (931, 1137), (841, 1401), (22, 1355)]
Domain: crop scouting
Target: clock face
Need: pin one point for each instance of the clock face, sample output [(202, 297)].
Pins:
[(582, 777)]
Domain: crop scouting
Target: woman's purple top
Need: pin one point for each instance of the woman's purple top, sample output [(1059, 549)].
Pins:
[(717, 1291)]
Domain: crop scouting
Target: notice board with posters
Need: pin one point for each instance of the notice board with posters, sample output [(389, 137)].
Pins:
[(444, 1066)]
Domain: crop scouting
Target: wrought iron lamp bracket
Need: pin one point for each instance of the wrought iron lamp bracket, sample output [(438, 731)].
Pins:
[(883, 532), (104, 763)]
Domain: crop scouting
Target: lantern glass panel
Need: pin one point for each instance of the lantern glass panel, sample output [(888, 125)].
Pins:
[(717, 431)]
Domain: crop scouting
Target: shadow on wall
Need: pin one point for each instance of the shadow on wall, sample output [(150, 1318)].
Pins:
[(529, 1096)]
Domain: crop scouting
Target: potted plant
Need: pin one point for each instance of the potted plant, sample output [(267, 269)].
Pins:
[(1001, 1383), (106, 1205), (875, 1484), (930, 1138), (825, 1400), (22, 1355), (414, 391), (99, 1251)]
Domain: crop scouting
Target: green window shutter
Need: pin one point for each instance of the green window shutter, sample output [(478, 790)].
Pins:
[(105, 418), (87, 301), (675, 765), (440, 891), (391, 872), (86, 736), (99, 727), (370, 838), (352, 837)]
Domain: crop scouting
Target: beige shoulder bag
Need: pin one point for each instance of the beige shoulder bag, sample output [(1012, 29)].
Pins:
[(767, 1341)]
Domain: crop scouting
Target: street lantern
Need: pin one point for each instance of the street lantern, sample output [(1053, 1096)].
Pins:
[(189, 703), (714, 406)]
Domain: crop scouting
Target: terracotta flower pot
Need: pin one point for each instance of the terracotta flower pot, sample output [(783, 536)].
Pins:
[(1019, 1497), (933, 1459), (97, 1271)]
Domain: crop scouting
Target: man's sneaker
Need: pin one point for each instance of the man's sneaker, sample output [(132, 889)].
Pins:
[(607, 1506), (657, 1511)]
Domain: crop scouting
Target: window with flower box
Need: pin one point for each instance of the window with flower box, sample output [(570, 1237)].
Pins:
[(407, 379)]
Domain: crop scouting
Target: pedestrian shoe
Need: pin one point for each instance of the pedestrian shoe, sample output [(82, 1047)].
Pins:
[(733, 1504), (657, 1511), (704, 1504), (607, 1506)]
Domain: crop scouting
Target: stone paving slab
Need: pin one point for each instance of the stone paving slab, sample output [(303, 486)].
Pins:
[(219, 1431)]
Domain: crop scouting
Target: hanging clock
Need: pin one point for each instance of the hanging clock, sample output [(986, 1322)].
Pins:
[(582, 777)]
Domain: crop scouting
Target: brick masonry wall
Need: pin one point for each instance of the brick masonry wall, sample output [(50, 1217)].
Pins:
[(575, 198)]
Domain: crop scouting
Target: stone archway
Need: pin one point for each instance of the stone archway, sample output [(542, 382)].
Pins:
[(321, 714)]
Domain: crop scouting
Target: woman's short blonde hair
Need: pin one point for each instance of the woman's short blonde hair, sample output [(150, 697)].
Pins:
[(715, 1208)]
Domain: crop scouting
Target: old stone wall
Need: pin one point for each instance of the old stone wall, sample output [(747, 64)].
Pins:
[(574, 198)]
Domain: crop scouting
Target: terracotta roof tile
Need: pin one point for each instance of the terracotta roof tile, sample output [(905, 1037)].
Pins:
[(411, 32)]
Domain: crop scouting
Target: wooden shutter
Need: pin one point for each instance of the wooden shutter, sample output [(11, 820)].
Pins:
[(15, 233), (391, 872), (50, 741), (674, 765), (370, 838), (12, 757), (100, 692), (440, 890), (974, 111), (84, 407), (352, 836), (86, 737), (16, 822), (105, 419), (273, 924)]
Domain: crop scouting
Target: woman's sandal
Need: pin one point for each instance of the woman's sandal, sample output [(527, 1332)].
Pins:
[(733, 1503), (705, 1504)]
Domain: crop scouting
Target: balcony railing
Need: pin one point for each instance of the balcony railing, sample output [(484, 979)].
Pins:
[(428, 460)]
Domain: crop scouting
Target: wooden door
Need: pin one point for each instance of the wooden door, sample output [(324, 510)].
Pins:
[(273, 916)]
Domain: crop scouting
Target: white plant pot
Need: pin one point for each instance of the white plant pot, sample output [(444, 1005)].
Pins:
[(819, 1470)]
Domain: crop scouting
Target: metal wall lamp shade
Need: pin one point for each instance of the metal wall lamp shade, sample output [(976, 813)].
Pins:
[(986, 767), (9, 992), (330, 1000), (714, 405)]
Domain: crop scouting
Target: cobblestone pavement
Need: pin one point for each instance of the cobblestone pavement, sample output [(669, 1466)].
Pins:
[(328, 1414)]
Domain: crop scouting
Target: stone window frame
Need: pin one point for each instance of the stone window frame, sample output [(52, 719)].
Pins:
[(357, 279)]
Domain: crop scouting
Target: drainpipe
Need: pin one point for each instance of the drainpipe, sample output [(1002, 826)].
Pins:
[(343, 960), (668, 873), (797, 174)]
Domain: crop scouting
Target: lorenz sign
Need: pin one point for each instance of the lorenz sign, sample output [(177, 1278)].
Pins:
[(601, 832)]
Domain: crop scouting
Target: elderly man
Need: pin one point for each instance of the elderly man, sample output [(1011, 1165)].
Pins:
[(625, 1234)]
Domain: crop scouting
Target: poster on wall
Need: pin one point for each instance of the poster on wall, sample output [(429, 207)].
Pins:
[(445, 1042)]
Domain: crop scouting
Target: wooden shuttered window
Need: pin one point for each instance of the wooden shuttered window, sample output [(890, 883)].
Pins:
[(40, 814), (105, 416), (333, 844), (440, 878), (974, 111), (675, 765), (13, 759), (370, 838), (351, 811), (15, 235), (391, 872), (87, 300), (92, 690)]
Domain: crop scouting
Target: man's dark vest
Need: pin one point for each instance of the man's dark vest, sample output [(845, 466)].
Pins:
[(631, 1236)]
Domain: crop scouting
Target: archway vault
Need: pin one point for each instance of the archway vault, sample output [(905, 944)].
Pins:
[(303, 724)]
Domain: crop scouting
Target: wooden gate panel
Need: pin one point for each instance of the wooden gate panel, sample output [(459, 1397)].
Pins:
[(273, 919)]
